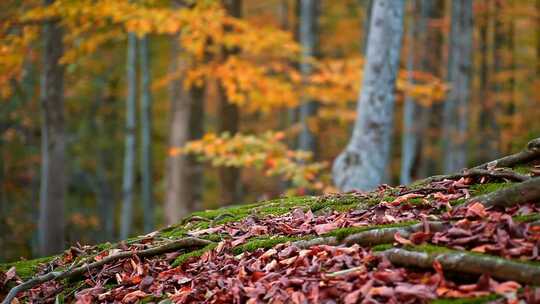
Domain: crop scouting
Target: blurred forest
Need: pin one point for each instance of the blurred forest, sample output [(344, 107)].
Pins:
[(120, 117)]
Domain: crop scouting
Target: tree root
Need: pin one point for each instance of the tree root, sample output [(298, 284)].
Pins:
[(467, 263), (188, 242), (531, 153), (477, 172), (372, 237), (527, 191)]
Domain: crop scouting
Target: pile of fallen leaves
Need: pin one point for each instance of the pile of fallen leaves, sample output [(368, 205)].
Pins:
[(286, 273)]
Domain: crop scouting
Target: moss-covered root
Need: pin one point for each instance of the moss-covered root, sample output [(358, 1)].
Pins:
[(531, 152), (465, 262), (371, 237), (527, 191)]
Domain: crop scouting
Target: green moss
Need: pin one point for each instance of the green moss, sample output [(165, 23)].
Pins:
[(382, 247), (265, 243), (342, 233), (526, 218), (475, 300), (26, 269), (480, 189), (522, 169), (197, 253)]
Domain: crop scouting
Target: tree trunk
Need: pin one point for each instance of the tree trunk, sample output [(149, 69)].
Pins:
[(363, 163), (130, 145), (455, 120), (430, 115), (53, 163), (229, 118), (309, 12), (146, 136), (487, 116), (410, 135), (183, 173)]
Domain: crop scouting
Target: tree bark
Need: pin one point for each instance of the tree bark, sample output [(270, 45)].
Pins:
[(183, 173), (455, 118), (146, 136), (53, 165), (130, 145), (430, 115), (308, 36), (524, 192), (363, 163), (229, 119), (411, 130)]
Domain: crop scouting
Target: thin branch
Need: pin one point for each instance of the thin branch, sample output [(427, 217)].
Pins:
[(531, 153), (188, 242), (467, 263), (477, 172)]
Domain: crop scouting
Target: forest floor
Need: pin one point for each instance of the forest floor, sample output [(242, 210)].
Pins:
[(440, 240)]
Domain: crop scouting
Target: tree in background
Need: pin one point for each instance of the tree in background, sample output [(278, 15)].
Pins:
[(363, 162), (229, 121), (147, 193), (308, 37), (183, 172), (128, 184), (53, 139), (455, 120)]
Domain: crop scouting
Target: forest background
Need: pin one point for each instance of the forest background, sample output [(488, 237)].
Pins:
[(120, 117)]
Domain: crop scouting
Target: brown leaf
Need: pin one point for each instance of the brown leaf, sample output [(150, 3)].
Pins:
[(401, 239), (134, 296), (324, 228)]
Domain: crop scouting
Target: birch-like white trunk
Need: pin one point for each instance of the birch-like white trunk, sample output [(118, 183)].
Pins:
[(146, 136), (130, 144), (455, 116), (363, 162)]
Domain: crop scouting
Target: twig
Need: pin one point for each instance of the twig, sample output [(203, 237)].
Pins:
[(468, 263), (532, 152), (172, 246), (527, 191), (346, 271)]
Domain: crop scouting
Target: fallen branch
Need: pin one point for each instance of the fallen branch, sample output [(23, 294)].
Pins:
[(527, 191), (477, 172), (531, 153), (372, 237), (468, 263), (188, 242)]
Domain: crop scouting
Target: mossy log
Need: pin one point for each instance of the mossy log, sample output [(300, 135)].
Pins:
[(465, 262), (524, 192)]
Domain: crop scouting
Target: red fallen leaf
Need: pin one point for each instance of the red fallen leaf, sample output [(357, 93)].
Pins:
[(439, 270), (353, 297), (507, 287), (298, 298), (382, 291), (404, 198), (420, 237), (134, 296), (401, 239), (476, 210), (421, 291), (84, 299), (324, 228), (10, 274)]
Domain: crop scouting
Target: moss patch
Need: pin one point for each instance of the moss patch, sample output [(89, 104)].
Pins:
[(26, 269), (480, 189), (476, 300), (342, 233), (197, 253)]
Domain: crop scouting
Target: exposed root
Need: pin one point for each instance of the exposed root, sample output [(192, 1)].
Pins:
[(467, 263), (527, 191)]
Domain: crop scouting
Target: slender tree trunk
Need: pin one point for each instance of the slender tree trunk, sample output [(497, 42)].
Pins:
[(53, 149), (130, 145), (455, 120), (430, 115), (183, 173), (146, 136), (229, 119), (487, 117), (363, 163), (410, 136), (309, 12)]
